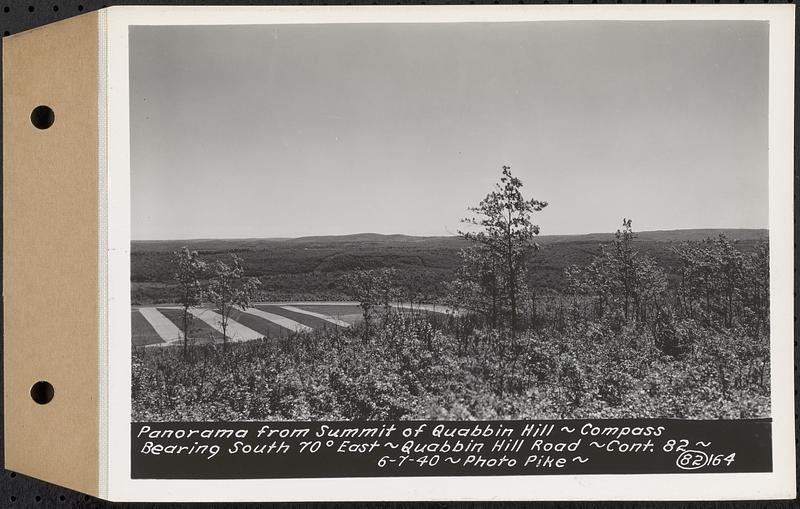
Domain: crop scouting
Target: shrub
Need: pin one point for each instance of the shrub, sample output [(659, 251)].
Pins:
[(426, 367)]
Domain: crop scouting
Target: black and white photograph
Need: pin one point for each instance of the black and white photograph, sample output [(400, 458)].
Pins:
[(458, 221), (402, 253)]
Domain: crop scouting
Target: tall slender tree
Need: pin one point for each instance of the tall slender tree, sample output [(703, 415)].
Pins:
[(506, 232), (621, 278), (625, 258), (367, 288), (188, 271), (229, 289)]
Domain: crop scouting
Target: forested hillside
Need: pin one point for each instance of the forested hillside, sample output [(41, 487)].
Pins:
[(311, 268)]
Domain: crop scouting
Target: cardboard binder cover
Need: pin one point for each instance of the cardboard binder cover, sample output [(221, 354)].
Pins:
[(50, 253)]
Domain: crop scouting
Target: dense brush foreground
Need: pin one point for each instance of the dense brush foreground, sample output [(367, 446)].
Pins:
[(428, 366)]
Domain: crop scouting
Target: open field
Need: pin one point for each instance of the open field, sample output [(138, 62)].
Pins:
[(155, 326)]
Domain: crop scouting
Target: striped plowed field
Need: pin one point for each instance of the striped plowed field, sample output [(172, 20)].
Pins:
[(265, 327), (163, 325), (200, 333), (142, 333), (308, 320), (347, 313)]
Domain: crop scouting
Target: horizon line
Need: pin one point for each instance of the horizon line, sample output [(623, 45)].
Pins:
[(197, 239)]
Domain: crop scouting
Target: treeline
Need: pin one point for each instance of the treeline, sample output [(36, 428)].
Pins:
[(718, 286), (718, 283)]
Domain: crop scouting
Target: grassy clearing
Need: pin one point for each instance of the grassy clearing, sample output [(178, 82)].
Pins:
[(308, 320), (265, 327), (142, 333), (200, 333), (349, 314)]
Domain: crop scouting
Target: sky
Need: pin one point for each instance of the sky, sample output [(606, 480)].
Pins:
[(297, 130)]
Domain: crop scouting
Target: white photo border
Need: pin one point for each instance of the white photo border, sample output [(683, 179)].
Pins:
[(116, 419)]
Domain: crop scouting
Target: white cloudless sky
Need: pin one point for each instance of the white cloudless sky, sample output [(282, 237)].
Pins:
[(295, 130)]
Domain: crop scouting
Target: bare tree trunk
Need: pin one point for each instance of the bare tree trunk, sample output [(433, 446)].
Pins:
[(627, 301), (224, 330), (185, 333), (512, 291), (495, 311)]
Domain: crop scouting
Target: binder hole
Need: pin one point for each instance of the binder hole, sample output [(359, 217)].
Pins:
[(80, 7), (42, 117), (31, 8), (6, 9), (42, 392)]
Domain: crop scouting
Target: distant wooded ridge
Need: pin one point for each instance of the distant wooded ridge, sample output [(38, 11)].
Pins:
[(678, 235), (311, 268)]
